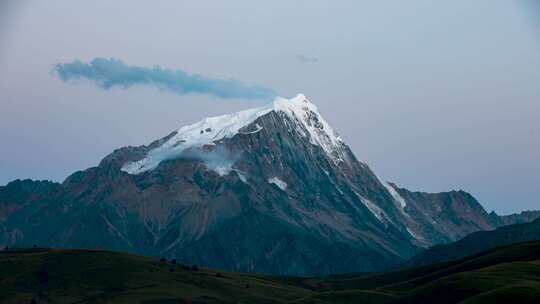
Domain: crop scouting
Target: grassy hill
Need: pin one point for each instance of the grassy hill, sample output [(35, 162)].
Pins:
[(478, 242), (508, 274)]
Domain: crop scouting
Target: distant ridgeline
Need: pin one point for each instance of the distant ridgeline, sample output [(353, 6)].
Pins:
[(478, 242)]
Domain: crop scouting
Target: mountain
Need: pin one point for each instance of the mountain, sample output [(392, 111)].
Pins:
[(449, 216), (503, 275), (272, 189), (19, 193), (518, 218), (478, 242)]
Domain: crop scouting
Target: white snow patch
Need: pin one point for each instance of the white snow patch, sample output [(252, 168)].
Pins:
[(374, 209), (221, 170), (414, 235), (209, 130), (378, 212), (241, 175), (278, 182), (196, 135), (218, 160), (320, 132), (395, 195), (258, 128)]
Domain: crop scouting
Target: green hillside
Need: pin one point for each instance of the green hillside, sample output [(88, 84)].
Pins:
[(477, 242), (504, 275)]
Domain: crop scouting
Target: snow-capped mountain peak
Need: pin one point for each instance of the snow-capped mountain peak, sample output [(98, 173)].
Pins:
[(212, 129), (278, 176), (320, 132)]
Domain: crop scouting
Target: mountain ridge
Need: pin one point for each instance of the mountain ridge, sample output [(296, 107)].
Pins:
[(478, 242)]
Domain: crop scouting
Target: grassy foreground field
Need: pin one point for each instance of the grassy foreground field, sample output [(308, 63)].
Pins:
[(508, 274)]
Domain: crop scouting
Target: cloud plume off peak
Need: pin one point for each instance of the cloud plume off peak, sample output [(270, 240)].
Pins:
[(109, 73)]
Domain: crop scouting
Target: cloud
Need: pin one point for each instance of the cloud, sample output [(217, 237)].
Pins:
[(218, 159), (307, 59), (109, 73)]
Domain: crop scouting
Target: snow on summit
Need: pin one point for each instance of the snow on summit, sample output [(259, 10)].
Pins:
[(211, 129)]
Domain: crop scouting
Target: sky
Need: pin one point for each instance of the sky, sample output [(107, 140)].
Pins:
[(432, 95)]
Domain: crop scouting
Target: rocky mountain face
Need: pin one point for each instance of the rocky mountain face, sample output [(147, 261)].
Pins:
[(18, 194), (518, 218), (448, 216), (272, 189)]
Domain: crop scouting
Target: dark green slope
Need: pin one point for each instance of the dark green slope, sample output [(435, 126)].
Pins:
[(478, 242), (88, 276), (503, 275)]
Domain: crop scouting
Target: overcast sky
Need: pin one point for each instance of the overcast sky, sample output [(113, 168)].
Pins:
[(433, 95)]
